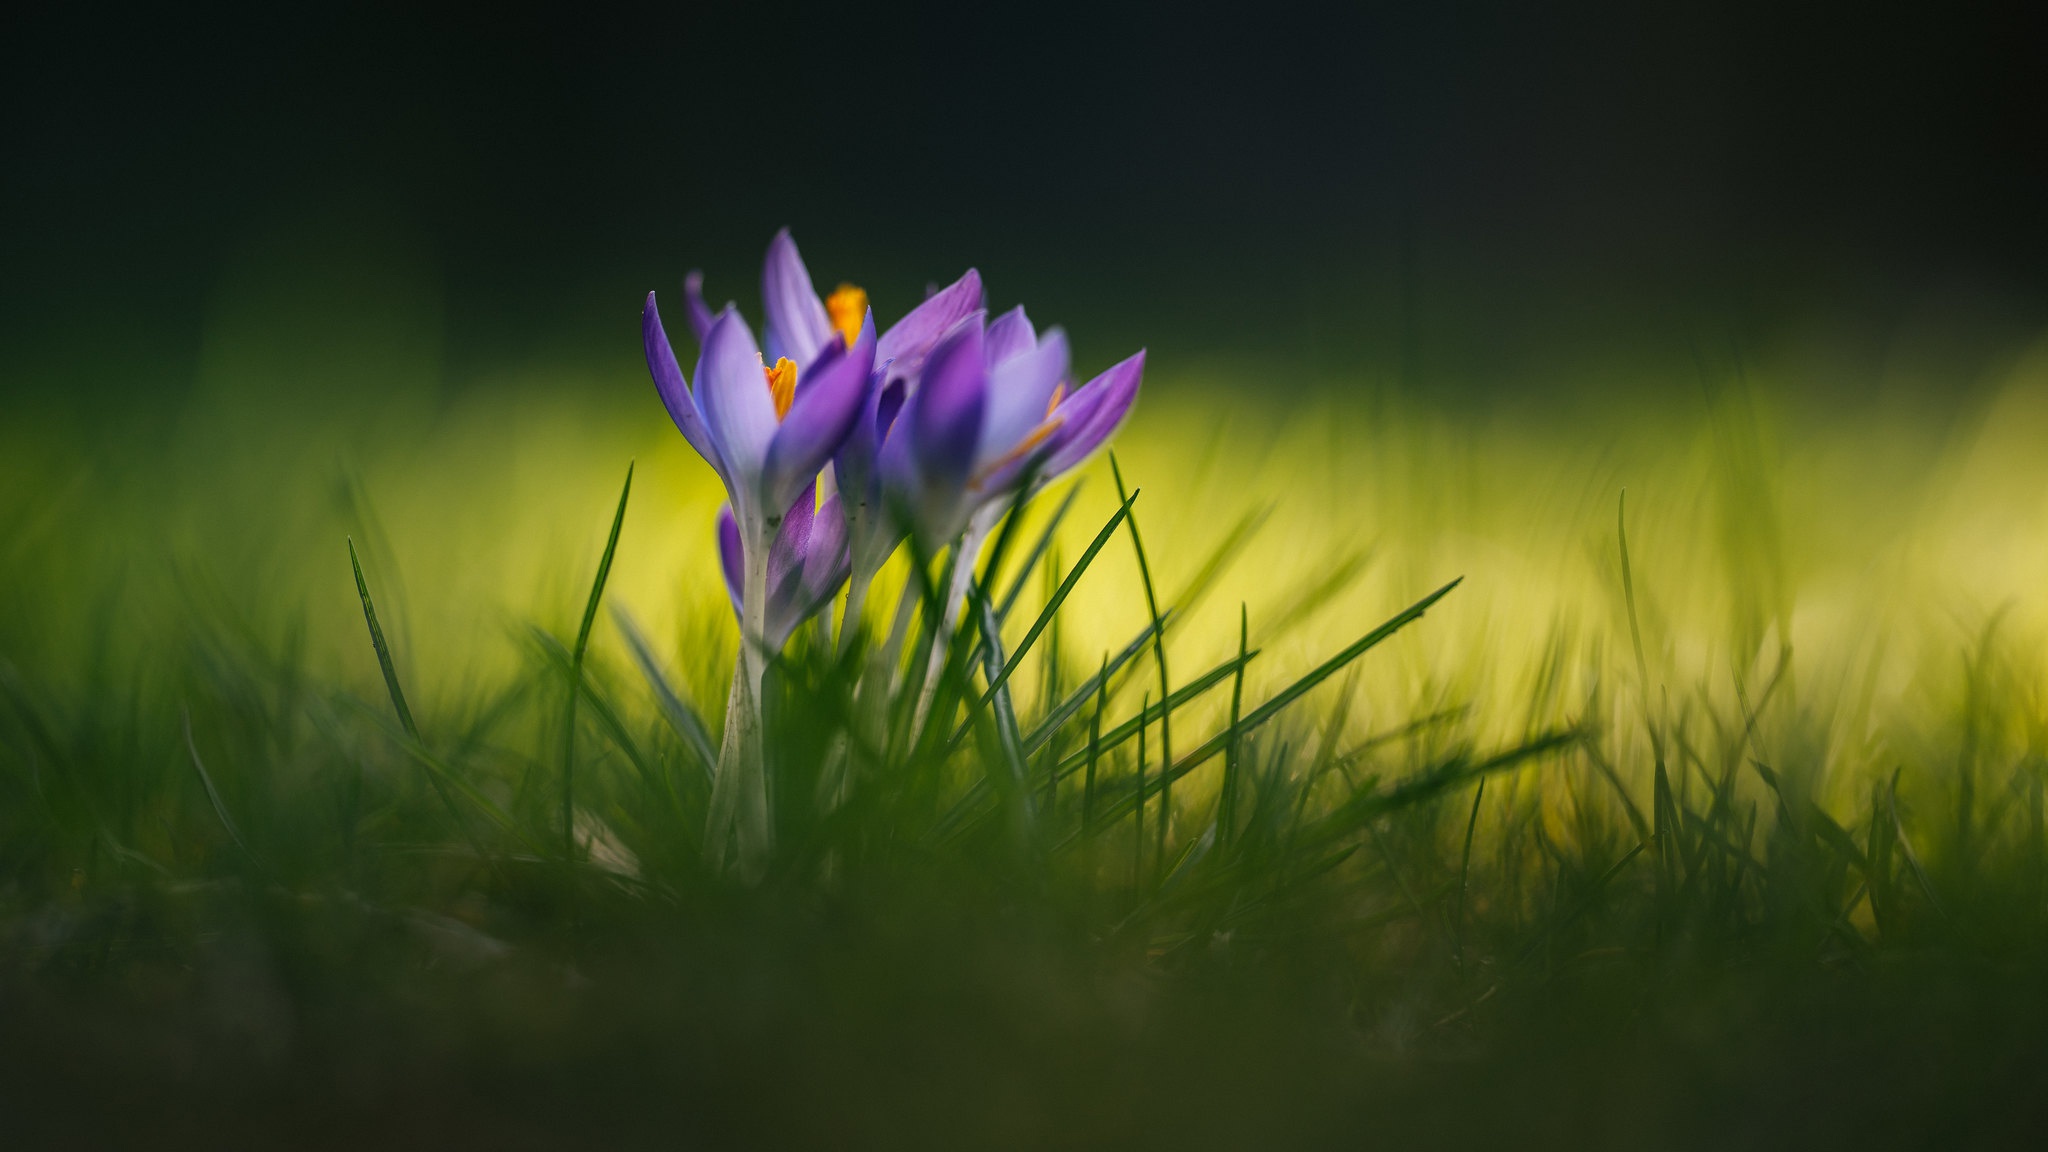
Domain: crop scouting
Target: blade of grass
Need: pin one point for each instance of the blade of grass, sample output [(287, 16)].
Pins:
[(1121, 734), (1050, 610), (1180, 698), (1226, 805), (1288, 695), (1005, 717), (220, 809), (604, 571), (1050, 723), (1158, 655), (683, 718), (1585, 904), (383, 649), (1663, 834), (437, 773), (1094, 751), (1464, 877), (1138, 807), (1037, 553)]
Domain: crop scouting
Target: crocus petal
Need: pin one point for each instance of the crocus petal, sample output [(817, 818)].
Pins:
[(899, 485), (674, 390), (826, 562), (733, 396), (786, 556), (855, 466), (862, 473), (829, 397), (1020, 391), (731, 555), (909, 341), (797, 324), (945, 417), (1010, 334), (1093, 414), (807, 550), (699, 312), (887, 406)]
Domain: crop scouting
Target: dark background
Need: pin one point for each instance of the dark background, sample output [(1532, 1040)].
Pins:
[(1454, 195)]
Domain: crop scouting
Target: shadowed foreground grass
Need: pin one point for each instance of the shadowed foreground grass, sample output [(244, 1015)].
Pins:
[(1686, 840)]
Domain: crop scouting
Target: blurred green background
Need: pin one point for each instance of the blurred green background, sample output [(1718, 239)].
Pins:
[(1429, 286), (270, 273)]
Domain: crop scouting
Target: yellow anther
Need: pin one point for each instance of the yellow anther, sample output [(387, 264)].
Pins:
[(782, 385), (847, 306), (1059, 393)]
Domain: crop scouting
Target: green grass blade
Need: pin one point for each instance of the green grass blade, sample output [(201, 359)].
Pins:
[(438, 774), (1052, 607), (1094, 751), (1663, 834), (1159, 657), (1464, 878), (1122, 733), (1007, 740), (604, 571), (1288, 695), (680, 715), (1585, 903), (220, 809), (1226, 804), (383, 649), (1053, 720), (1037, 553)]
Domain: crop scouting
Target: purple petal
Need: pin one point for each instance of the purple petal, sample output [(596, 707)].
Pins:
[(829, 396), (945, 417), (797, 324), (786, 557), (1093, 414), (887, 406), (732, 394), (1010, 334), (1020, 391), (909, 341), (699, 312), (674, 390), (826, 561), (731, 555), (857, 464)]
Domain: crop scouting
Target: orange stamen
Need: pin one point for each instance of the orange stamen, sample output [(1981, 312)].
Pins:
[(782, 385), (848, 307), (1059, 393), (1032, 439)]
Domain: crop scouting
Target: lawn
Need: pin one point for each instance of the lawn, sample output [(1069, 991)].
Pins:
[(1652, 767)]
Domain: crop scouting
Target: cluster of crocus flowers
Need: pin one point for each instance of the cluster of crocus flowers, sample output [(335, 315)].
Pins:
[(929, 428)]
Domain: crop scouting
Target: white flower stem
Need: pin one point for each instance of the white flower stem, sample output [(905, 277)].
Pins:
[(739, 795), (966, 551)]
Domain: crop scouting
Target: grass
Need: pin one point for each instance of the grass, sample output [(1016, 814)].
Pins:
[(1362, 778)]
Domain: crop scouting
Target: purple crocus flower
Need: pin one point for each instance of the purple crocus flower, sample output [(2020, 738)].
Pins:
[(806, 564), (767, 431), (992, 412), (899, 361), (993, 408), (800, 324)]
